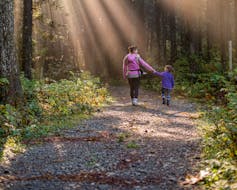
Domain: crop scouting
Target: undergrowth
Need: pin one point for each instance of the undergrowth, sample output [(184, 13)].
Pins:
[(50, 106), (217, 94)]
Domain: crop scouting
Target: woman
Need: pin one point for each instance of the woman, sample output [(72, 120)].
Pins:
[(132, 64)]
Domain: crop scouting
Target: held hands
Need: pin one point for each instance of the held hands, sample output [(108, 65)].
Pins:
[(152, 71)]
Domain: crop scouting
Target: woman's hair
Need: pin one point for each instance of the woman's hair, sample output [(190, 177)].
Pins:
[(132, 48), (169, 68)]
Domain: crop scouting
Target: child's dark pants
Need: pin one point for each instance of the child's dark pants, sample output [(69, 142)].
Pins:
[(134, 86), (166, 94)]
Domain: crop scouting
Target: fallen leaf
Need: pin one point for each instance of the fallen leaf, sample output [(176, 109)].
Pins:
[(191, 180)]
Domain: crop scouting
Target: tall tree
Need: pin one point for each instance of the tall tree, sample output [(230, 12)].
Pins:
[(164, 34), (198, 32), (173, 48), (235, 29), (158, 29), (149, 8), (27, 39), (209, 28), (223, 6), (8, 62)]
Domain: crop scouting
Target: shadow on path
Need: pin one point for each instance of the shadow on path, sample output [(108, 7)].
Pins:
[(121, 147)]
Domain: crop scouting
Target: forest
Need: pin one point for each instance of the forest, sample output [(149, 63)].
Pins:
[(60, 58)]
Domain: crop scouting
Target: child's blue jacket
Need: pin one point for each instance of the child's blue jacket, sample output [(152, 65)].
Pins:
[(167, 79)]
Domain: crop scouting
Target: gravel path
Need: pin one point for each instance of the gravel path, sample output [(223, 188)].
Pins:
[(150, 147)]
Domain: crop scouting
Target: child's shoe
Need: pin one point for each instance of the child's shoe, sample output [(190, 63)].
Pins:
[(168, 102), (163, 100)]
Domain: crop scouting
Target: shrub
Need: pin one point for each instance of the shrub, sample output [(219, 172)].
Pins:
[(50, 100), (220, 143)]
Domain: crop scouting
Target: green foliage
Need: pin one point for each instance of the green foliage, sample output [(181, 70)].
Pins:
[(218, 91), (224, 131), (188, 67), (122, 137), (67, 97), (47, 101), (10, 119), (152, 83), (206, 86), (221, 175), (220, 136), (3, 82), (132, 145)]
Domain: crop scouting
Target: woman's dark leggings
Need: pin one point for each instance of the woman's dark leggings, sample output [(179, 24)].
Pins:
[(134, 86)]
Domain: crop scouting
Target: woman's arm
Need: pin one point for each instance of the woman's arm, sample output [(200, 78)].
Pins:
[(145, 64), (125, 67)]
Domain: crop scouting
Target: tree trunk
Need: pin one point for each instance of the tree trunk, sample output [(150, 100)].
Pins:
[(149, 23), (198, 38), (18, 28), (209, 20), (173, 50), (27, 39), (8, 62), (224, 35), (164, 35), (235, 30), (158, 30), (140, 36)]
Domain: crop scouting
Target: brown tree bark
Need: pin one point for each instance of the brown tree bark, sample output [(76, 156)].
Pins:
[(223, 7), (27, 39), (158, 30), (173, 50), (235, 30), (12, 92), (164, 34), (209, 28)]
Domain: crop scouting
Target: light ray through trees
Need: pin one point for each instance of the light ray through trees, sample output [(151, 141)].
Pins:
[(99, 31), (102, 30)]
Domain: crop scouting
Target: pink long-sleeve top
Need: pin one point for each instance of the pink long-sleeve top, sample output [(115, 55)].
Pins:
[(131, 66)]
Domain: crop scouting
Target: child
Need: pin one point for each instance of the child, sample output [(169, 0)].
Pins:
[(167, 83)]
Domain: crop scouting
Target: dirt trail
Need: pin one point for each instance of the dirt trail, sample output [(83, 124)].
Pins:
[(150, 147)]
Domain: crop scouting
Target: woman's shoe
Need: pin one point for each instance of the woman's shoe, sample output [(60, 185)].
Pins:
[(135, 102)]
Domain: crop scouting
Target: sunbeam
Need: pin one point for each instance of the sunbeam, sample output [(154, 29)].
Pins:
[(99, 31)]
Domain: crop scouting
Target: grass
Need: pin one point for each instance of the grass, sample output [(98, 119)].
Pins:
[(132, 145), (122, 137)]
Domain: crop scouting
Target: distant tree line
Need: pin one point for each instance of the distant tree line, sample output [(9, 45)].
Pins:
[(190, 28)]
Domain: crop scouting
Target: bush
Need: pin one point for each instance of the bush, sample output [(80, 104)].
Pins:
[(220, 140), (49, 100)]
